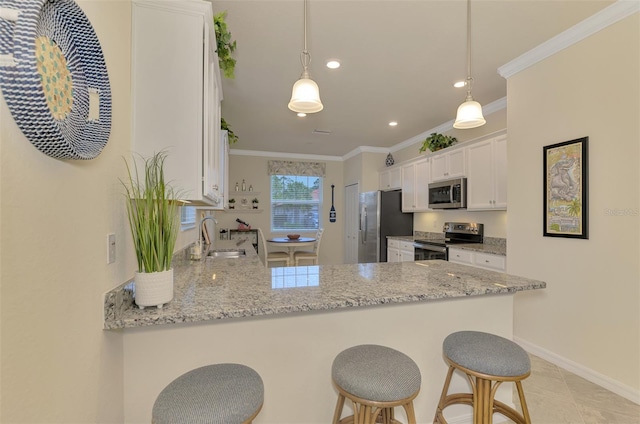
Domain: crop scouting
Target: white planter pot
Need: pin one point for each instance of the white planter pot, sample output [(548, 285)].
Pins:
[(153, 288)]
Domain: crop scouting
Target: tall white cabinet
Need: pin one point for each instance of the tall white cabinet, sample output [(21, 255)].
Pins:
[(415, 182), (176, 93), (487, 174)]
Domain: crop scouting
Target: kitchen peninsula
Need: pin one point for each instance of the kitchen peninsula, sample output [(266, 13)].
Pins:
[(289, 323)]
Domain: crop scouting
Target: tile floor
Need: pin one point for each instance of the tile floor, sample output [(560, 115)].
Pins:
[(556, 396)]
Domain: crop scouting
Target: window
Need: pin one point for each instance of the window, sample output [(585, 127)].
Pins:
[(296, 202), (187, 217)]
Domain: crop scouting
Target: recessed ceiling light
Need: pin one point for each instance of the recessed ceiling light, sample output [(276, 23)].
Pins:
[(333, 64), (393, 123), (302, 114), (460, 84)]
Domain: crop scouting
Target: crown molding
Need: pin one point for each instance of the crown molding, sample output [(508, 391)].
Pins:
[(599, 21), (365, 149), (447, 126), (280, 155)]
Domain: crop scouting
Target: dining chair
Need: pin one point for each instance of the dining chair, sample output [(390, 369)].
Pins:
[(272, 256), (312, 256)]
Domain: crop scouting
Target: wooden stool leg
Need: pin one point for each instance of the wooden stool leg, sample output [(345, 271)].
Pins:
[(523, 403), (411, 413), (339, 406), (443, 396)]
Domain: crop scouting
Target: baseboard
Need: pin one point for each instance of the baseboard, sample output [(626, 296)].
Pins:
[(580, 370)]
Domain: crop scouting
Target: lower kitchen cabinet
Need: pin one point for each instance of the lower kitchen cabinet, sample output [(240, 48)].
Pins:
[(400, 251), (478, 259)]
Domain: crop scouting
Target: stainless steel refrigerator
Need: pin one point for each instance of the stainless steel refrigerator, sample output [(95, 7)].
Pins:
[(381, 216)]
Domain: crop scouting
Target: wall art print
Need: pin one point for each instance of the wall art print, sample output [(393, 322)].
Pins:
[(566, 189), (54, 78)]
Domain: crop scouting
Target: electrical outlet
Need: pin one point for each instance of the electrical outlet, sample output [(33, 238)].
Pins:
[(111, 248)]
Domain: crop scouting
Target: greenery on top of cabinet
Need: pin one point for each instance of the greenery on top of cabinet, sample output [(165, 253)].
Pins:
[(437, 141), (231, 137), (226, 46)]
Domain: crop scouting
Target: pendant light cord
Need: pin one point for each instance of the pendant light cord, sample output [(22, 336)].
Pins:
[(469, 79), (305, 57)]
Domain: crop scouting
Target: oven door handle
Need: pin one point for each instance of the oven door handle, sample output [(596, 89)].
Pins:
[(430, 248)]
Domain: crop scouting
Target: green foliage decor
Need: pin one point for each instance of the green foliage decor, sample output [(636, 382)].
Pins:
[(437, 141), (152, 209), (232, 138), (225, 45)]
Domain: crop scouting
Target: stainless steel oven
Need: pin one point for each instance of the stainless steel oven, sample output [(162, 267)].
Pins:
[(453, 233), (425, 251)]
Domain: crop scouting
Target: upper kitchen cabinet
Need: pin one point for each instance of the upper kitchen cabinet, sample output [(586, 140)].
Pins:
[(415, 181), (448, 164), (390, 179), (487, 174), (176, 93)]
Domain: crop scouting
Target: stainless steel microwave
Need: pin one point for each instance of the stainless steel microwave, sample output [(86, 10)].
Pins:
[(450, 194)]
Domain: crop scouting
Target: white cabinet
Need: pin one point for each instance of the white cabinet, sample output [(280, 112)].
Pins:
[(393, 250), (415, 181), (400, 251), (176, 95), (390, 179), (478, 259), (407, 251), (447, 165), (487, 174)]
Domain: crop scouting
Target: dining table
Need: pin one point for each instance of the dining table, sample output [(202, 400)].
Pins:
[(292, 244)]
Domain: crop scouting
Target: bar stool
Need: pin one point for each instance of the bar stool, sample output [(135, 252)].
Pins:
[(487, 358), (376, 379), (213, 394)]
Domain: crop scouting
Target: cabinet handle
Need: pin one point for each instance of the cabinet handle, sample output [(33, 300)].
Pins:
[(486, 261), (215, 187)]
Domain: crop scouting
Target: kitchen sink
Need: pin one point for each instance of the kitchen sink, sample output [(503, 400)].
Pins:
[(227, 253)]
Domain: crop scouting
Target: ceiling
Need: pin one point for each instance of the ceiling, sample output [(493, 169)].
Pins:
[(399, 60)]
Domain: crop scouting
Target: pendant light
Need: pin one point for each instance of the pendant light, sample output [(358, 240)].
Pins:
[(470, 112), (305, 96)]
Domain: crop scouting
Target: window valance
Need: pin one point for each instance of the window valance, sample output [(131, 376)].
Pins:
[(285, 167)]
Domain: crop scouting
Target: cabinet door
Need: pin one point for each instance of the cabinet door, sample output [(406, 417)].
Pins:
[(489, 261), (390, 179), (407, 256), (393, 255), (460, 256), (456, 163), (500, 172), (421, 186), (439, 167), (168, 102), (479, 176), (408, 188)]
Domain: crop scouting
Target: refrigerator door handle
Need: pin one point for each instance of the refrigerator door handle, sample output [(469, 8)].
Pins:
[(363, 224)]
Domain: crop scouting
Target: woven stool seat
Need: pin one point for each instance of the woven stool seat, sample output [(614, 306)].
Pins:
[(376, 379), (213, 394), (486, 353), (488, 361)]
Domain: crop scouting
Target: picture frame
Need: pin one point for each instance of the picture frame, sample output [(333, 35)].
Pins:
[(566, 207)]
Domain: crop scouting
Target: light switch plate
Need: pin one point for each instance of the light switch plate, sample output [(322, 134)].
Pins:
[(111, 248)]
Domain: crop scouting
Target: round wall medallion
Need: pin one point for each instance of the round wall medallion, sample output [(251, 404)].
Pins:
[(54, 78), (389, 161)]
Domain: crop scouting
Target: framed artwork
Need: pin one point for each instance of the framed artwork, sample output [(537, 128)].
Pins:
[(566, 208)]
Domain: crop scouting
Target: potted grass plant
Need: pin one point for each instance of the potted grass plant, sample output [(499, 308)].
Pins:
[(152, 209)]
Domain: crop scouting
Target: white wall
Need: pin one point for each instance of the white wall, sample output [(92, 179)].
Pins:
[(590, 312), (58, 365)]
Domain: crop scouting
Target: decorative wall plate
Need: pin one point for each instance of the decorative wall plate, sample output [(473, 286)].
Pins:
[(54, 78)]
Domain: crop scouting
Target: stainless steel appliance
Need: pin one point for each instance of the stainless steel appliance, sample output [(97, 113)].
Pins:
[(381, 216), (450, 194), (454, 233)]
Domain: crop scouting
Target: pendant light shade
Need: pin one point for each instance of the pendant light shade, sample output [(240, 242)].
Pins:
[(469, 115), (470, 112), (305, 96)]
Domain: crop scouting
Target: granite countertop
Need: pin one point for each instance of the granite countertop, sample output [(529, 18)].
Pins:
[(492, 245), (213, 289)]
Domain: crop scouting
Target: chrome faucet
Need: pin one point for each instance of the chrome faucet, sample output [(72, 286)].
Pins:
[(215, 221)]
